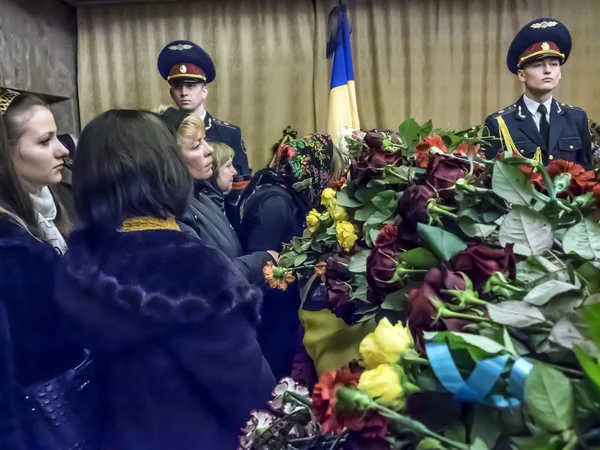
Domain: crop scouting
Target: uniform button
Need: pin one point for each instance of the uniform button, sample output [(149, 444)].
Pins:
[(551, 157), (571, 147)]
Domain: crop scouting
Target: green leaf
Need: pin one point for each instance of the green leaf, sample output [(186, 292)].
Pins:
[(456, 431), (541, 294), (364, 212), (549, 398), (396, 301), (373, 233), (486, 427), (511, 184), (343, 199), (566, 334), (358, 262), (584, 240), (515, 314), (410, 132), (430, 444), (297, 244), (299, 260), (528, 230), (475, 229), (360, 292), (457, 340), (442, 243), (543, 442), (562, 304), (420, 257), (589, 365), (366, 194), (386, 201), (378, 217), (591, 274), (592, 315)]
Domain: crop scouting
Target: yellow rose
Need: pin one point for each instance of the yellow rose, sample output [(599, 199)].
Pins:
[(328, 198), (312, 220), (345, 234), (338, 213), (383, 385), (386, 344)]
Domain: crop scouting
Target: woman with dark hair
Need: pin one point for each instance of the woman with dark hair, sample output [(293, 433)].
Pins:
[(30, 161), (205, 216), (169, 319)]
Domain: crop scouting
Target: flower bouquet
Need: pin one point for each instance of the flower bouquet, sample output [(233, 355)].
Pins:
[(484, 278)]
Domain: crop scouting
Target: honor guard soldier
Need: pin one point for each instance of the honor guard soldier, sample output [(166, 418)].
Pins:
[(189, 69), (538, 126)]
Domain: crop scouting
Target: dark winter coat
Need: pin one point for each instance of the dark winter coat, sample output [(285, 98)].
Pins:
[(35, 343), (171, 322)]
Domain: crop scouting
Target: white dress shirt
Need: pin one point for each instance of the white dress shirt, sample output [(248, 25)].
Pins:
[(533, 106)]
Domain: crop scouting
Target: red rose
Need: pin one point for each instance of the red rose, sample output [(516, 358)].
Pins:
[(337, 268), (422, 151), (374, 140), (479, 263), (381, 265), (444, 171), (370, 164), (324, 401), (412, 205), (339, 300), (422, 316), (443, 278)]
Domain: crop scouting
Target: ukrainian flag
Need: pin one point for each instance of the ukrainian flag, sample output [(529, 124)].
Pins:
[(343, 110)]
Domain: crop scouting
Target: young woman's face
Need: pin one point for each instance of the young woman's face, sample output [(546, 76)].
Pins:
[(225, 176), (39, 157), (198, 156)]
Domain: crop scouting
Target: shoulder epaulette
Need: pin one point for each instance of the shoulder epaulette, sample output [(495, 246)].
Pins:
[(571, 106), (225, 124), (504, 111)]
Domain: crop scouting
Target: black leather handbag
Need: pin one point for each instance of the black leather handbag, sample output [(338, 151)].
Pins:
[(61, 413)]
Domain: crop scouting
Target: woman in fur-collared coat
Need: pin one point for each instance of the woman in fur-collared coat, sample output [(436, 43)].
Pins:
[(169, 320)]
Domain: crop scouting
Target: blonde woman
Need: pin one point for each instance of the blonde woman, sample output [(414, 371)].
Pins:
[(223, 168), (205, 217)]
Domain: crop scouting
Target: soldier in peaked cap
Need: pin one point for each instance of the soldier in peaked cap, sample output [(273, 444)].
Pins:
[(189, 69), (538, 126)]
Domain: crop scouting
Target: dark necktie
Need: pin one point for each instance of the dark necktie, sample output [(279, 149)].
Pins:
[(544, 126)]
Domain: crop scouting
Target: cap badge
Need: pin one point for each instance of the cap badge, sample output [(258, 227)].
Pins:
[(182, 69), (544, 24), (545, 46), (180, 47)]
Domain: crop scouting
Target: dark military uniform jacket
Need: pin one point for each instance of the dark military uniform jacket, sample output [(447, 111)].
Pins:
[(231, 135), (570, 137)]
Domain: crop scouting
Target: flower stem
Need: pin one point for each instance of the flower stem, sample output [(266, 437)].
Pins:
[(417, 427), (442, 211), (446, 313)]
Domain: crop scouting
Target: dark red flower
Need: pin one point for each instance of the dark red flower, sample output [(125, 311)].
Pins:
[(337, 268), (370, 164), (441, 278), (412, 206), (324, 401), (339, 300), (381, 265), (444, 171), (422, 316), (423, 149), (479, 262), (374, 140)]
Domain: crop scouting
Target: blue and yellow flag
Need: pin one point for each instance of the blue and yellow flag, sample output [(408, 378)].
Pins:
[(343, 110)]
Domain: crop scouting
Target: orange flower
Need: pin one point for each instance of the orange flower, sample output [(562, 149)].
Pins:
[(534, 177), (324, 401), (320, 268), (276, 277), (464, 149), (424, 147), (582, 181)]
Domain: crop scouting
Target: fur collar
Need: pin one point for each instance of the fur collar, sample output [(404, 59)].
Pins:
[(162, 275)]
